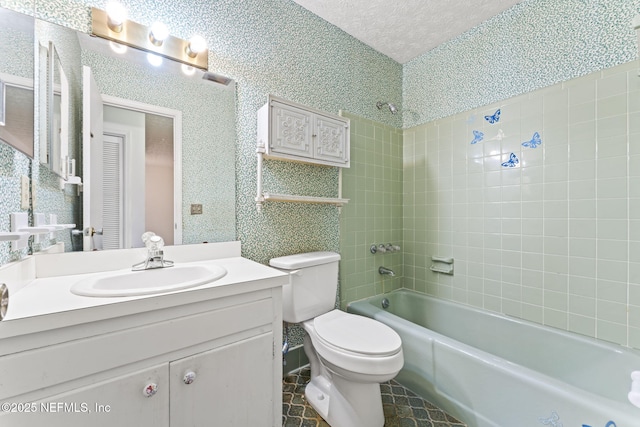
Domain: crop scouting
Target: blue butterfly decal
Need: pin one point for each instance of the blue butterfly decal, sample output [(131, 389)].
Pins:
[(609, 424), (534, 142), (495, 118), (553, 420), (512, 162), (477, 136)]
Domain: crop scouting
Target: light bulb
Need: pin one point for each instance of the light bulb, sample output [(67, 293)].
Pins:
[(188, 70), (154, 60), (118, 48), (116, 14), (197, 44), (158, 33)]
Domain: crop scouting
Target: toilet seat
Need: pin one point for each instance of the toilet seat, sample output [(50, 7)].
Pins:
[(357, 334), (355, 344)]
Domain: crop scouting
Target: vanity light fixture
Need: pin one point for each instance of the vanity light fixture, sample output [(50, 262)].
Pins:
[(154, 59), (188, 70), (155, 39), (118, 48), (197, 44), (116, 16), (158, 33)]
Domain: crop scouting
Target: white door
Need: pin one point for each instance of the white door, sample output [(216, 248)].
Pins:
[(112, 191), (128, 400), (92, 112), (213, 388)]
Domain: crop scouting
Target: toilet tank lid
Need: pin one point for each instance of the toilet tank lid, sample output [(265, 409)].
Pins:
[(309, 259)]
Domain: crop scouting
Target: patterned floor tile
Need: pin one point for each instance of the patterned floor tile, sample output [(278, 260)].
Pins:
[(402, 408)]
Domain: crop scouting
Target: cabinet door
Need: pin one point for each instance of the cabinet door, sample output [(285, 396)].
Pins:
[(118, 401), (291, 130), (230, 386), (331, 140)]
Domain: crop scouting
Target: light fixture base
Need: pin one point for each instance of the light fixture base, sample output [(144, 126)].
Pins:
[(137, 36)]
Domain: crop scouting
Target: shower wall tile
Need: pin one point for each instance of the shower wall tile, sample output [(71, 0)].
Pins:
[(554, 239), (374, 213)]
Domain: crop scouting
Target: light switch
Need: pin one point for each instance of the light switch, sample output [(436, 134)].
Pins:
[(196, 209)]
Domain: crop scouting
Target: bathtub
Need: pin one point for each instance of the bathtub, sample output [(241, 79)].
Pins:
[(492, 370)]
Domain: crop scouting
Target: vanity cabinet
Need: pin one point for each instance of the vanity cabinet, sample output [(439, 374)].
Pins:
[(205, 357), (291, 131)]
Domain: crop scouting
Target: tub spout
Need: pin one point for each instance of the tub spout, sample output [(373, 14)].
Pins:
[(387, 271)]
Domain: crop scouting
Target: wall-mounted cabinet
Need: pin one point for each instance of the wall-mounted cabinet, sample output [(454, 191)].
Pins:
[(295, 132)]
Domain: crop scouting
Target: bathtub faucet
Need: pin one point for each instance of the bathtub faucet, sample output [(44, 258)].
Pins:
[(387, 271)]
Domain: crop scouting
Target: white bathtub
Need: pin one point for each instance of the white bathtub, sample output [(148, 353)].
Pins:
[(492, 370)]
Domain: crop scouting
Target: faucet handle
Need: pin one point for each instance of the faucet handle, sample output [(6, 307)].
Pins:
[(155, 243)]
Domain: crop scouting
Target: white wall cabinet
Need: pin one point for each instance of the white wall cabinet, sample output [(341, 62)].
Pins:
[(291, 131)]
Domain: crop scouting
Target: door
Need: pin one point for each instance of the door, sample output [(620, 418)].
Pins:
[(331, 140), (229, 386), (92, 147), (291, 130), (137, 399), (112, 191)]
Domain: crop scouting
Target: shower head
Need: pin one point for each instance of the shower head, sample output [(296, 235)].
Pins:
[(392, 107)]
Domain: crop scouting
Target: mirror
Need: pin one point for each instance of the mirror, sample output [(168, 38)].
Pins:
[(203, 139), (16, 81)]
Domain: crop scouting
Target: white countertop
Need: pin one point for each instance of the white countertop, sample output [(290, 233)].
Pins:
[(40, 296)]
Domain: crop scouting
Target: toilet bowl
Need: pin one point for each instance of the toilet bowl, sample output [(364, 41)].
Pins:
[(349, 355)]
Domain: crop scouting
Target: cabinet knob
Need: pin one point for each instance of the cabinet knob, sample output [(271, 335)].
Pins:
[(150, 389), (189, 377)]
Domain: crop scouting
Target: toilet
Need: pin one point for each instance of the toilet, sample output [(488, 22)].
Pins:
[(349, 355)]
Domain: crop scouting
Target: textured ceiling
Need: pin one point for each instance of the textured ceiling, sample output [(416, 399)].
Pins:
[(405, 29)]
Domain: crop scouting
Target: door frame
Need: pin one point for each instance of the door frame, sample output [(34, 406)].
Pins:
[(176, 115)]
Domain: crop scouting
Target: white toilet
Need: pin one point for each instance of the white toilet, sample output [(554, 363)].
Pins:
[(350, 355)]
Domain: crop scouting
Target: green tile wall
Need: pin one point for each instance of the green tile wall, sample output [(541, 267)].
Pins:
[(374, 213)]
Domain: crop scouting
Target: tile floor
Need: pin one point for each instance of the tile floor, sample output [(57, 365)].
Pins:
[(402, 408)]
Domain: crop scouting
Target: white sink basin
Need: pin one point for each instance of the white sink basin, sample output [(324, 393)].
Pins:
[(124, 283)]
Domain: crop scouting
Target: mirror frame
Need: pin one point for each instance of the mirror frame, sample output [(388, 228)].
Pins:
[(2, 104), (57, 136)]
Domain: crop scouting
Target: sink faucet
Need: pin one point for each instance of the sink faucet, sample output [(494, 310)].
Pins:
[(387, 271), (155, 254)]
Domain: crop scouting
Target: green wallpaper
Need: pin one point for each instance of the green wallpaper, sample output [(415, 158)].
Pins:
[(279, 48), (534, 44)]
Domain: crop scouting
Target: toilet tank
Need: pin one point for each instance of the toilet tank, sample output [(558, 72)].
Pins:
[(312, 287)]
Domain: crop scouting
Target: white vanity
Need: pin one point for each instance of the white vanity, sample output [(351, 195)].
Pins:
[(203, 356)]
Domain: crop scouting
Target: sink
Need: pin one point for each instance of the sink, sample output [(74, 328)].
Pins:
[(124, 283)]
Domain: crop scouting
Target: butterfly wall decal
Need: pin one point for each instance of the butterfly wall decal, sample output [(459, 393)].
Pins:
[(512, 162), (553, 420), (477, 136), (534, 142), (495, 118)]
